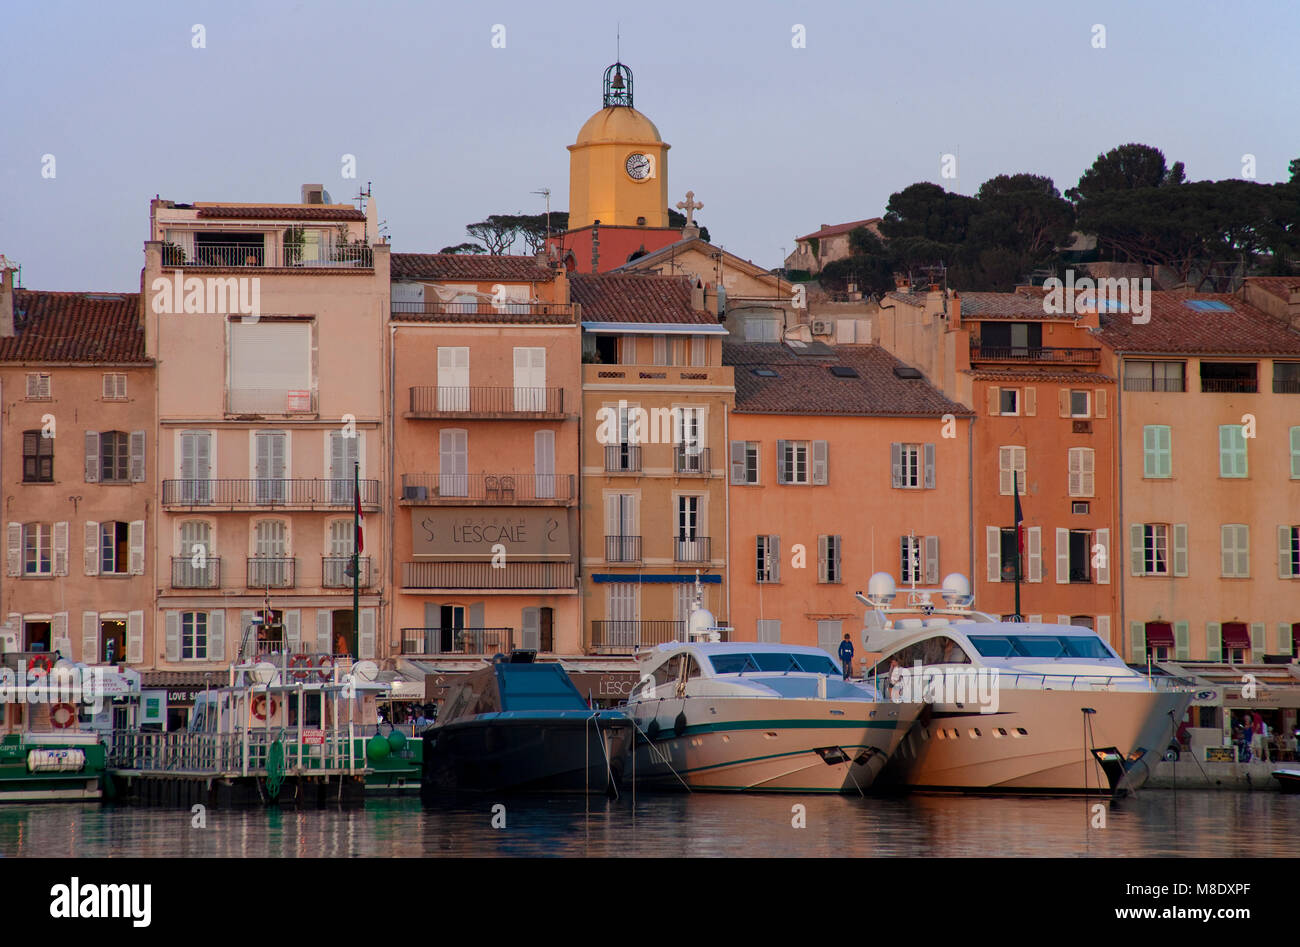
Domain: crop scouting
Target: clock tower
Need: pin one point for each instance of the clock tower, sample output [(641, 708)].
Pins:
[(618, 167)]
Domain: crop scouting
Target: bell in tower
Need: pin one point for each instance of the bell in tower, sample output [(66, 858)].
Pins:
[(618, 86)]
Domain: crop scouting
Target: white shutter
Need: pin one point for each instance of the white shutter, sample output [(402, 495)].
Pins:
[(1035, 619), (1031, 402), (137, 456), (14, 548), (1243, 551), (1006, 461), (293, 629), (1180, 549), (1063, 619), (738, 472), (172, 646), (994, 400), (1257, 643), (782, 475), (1063, 401), (217, 635), (61, 548), (366, 639), (1182, 641), (1088, 471), (324, 630), (1227, 559), (932, 560), (270, 356), (774, 549), (929, 466), (1103, 571), (993, 547), (1136, 550), (135, 637), (530, 639), (59, 632), (544, 460), (823, 553), (1034, 552), (453, 459), (820, 461), (91, 547), (136, 537), (90, 636), (1103, 621), (92, 457), (1284, 552), (1062, 556), (896, 464), (1099, 404)]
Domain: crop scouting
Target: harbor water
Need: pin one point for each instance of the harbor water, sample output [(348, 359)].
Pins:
[(1159, 823)]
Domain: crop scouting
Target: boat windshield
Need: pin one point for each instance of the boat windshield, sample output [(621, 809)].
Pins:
[(1039, 646), (772, 661)]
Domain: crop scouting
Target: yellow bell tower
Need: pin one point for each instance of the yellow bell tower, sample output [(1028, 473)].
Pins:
[(618, 167)]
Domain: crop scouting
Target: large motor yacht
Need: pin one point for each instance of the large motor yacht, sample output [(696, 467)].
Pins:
[(1012, 706), (759, 717)]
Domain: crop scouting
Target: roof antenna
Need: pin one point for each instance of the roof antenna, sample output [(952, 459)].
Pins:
[(618, 41)]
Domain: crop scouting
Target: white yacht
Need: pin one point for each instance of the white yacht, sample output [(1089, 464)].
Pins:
[(1012, 706), (748, 716)]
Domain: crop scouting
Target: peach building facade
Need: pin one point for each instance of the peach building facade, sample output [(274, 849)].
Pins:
[(266, 400), (77, 440), (484, 354), (841, 463)]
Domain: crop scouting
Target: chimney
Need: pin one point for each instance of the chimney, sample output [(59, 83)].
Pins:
[(697, 295), (313, 194), (6, 303), (954, 309), (902, 284)]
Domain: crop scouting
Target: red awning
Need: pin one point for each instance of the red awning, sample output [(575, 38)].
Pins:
[(1160, 634), (1236, 635)]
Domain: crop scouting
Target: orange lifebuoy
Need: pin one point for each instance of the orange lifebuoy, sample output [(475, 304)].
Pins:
[(63, 716), (324, 667), (258, 706), (300, 667), (42, 661)]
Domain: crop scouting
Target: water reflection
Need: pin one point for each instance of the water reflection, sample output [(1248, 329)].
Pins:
[(1157, 823)]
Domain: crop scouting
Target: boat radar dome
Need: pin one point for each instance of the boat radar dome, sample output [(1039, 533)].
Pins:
[(956, 589), (880, 589), (701, 625)]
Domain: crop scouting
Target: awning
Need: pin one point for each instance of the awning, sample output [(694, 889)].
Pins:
[(1160, 634), (655, 328), (1236, 635), (652, 578)]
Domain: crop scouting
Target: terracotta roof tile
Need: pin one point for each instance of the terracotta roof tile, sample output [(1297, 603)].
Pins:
[(806, 385), (832, 230), (286, 212), (473, 267), (75, 327), (1177, 328), (636, 297), (1012, 374), (1280, 286)]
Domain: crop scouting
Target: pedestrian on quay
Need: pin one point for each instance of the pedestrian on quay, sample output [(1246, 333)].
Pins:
[(846, 655), (1259, 738)]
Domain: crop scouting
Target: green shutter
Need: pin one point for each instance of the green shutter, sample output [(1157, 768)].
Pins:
[(1137, 634), (1258, 644), (1164, 451), (1295, 453), (1213, 641), (1149, 465), (1182, 641)]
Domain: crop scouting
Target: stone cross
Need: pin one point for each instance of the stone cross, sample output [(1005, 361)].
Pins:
[(690, 205)]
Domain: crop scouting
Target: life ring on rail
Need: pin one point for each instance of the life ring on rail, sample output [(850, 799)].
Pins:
[(258, 706), (300, 667), (63, 716), (324, 668), (40, 661)]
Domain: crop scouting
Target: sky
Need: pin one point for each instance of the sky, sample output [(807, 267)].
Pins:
[(775, 138)]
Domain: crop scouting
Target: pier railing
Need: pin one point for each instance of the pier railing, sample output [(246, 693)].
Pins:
[(241, 753)]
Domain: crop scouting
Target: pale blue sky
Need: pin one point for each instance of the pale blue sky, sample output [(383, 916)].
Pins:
[(774, 140)]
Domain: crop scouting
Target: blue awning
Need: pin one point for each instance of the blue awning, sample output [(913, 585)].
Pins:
[(653, 578)]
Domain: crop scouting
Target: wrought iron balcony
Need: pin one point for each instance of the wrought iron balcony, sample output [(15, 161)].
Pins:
[(426, 642), (1038, 353), (271, 572), (481, 575), (255, 253), (336, 572), (622, 458), (622, 548), (506, 489), (186, 575), (691, 550), (279, 493), (1230, 385), (619, 636), (486, 403), (1286, 386), (688, 460), (484, 310)]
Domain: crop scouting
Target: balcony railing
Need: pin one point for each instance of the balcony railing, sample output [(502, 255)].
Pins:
[(336, 572), (1155, 384), (622, 548), (622, 458), (503, 488), (620, 636), (271, 572), (1230, 385), (269, 493), (486, 309), (186, 575), (258, 254), (270, 401), (429, 401), (1038, 353), (422, 642), (691, 550), (688, 460), (1286, 386), (481, 575)]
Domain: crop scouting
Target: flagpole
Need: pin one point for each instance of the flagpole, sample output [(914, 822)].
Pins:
[(356, 556), (1015, 489)]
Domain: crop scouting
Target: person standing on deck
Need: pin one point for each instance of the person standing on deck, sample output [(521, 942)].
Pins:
[(846, 655)]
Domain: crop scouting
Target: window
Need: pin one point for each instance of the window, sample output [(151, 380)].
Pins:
[(270, 367), (194, 636), (828, 559), (911, 566), (270, 566), (114, 457), (1082, 621), (1082, 480), (1155, 549), (622, 544), (114, 549), (768, 566), (114, 386), (1080, 555), (912, 465), (769, 630), (270, 453), (1010, 555), (792, 464), (1157, 452), (1232, 451), (1008, 401), (1234, 547), (38, 386), (344, 455), (1154, 376), (1295, 453), (196, 467), (692, 546), (744, 462), (1158, 635), (38, 457), (1231, 377), (530, 378), (1011, 459), (761, 330), (38, 544), (1288, 552), (1079, 404), (1286, 378)]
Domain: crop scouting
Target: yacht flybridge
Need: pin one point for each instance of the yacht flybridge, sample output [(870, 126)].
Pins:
[(748, 716), (1011, 706)]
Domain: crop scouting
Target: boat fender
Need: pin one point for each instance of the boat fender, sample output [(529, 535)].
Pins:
[(652, 730), (680, 723), (258, 706), (63, 715)]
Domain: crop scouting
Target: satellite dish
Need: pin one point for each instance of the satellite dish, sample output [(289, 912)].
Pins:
[(263, 672), (365, 671)]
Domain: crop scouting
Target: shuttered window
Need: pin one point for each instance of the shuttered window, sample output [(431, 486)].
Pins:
[(1157, 453), (1011, 460), (1232, 451)]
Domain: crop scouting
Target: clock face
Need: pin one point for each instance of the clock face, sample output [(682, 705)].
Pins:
[(638, 166)]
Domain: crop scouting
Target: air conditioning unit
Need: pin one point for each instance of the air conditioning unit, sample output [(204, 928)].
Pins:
[(415, 493), (822, 327), (8, 642), (1079, 506), (1082, 427)]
